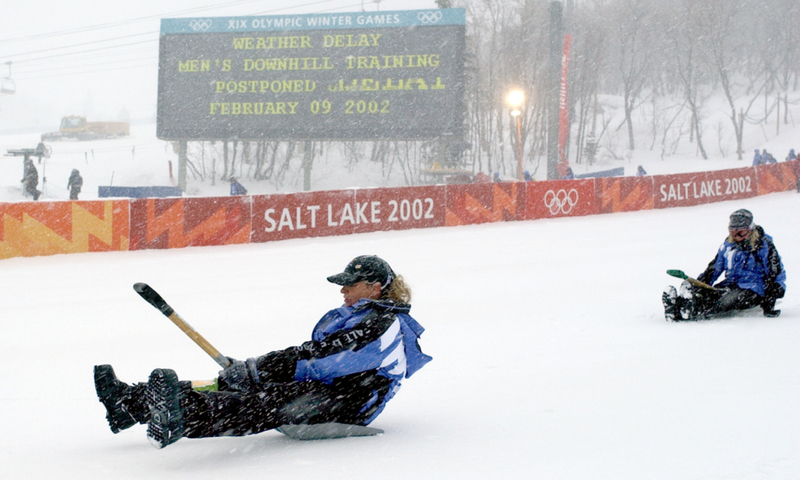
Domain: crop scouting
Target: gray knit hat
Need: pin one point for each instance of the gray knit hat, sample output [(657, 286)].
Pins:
[(741, 219)]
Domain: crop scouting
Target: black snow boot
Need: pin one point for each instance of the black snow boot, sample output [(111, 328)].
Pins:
[(768, 306), (686, 301), (669, 298), (166, 417), (125, 406)]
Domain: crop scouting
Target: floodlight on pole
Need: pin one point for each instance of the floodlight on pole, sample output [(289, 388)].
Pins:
[(515, 100)]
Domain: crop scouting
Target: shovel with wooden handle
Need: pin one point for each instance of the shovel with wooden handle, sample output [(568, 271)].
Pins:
[(681, 275)]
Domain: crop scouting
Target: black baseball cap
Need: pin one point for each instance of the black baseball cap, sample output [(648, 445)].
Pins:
[(368, 268)]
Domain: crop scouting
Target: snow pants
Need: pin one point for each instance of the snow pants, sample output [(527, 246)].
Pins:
[(31, 189), (709, 303), (235, 413)]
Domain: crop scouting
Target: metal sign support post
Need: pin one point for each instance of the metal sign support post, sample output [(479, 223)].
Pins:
[(554, 80), (182, 158), (308, 162)]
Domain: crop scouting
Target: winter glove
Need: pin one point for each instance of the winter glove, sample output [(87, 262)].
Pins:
[(239, 376), (278, 367)]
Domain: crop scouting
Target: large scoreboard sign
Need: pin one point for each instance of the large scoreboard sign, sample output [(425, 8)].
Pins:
[(348, 76)]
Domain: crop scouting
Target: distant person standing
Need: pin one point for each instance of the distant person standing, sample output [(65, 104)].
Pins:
[(791, 155), (640, 171), (74, 184), (237, 188), (767, 158), (757, 158), (41, 151), (30, 179)]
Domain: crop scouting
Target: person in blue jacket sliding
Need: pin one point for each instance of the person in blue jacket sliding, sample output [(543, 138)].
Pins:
[(353, 365), (753, 276)]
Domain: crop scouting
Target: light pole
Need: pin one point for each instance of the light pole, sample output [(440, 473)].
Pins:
[(515, 99)]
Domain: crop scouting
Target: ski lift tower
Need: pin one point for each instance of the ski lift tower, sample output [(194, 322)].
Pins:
[(7, 85)]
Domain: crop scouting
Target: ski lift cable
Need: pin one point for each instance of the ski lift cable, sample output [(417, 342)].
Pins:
[(78, 44), (34, 70), (33, 73), (110, 56), (138, 34), (152, 17), (87, 68), (92, 59), (124, 22), (133, 35), (153, 64), (86, 51), (309, 4), (97, 57)]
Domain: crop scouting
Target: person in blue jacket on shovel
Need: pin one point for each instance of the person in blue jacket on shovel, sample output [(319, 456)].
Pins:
[(752, 272), (353, 365)]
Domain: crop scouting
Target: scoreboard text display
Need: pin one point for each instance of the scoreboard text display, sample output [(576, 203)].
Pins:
[(348, 76)]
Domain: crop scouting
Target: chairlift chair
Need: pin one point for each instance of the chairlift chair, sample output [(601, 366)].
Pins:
[(6, 84)]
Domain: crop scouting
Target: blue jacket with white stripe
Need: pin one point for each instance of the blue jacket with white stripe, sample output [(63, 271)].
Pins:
[(372, 338), (362, 352), (752, 265)]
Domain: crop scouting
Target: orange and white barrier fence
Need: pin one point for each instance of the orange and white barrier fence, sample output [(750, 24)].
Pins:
[(48, 228)]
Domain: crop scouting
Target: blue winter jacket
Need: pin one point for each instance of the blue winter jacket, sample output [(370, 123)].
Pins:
[(376, 337), (362, 352), (752, 266)]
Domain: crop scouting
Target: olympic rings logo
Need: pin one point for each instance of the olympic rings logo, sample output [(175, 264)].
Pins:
[(200, 25), (561, 201), (429, 17)]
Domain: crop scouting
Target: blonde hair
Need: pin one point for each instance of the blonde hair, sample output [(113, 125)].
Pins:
[(398, 290)]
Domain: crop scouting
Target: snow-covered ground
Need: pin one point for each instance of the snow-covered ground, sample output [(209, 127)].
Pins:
[(552, 358)]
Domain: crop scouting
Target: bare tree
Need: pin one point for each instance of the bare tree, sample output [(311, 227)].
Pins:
[(685, 35), (634, 55), (590, 42), (719, 20)]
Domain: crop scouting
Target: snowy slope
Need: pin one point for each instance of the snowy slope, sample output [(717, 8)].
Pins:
[(551, 355)]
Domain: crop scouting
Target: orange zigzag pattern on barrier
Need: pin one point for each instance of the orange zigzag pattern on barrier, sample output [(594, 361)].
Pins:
[(171, 221), (31, 237), (503, 204), (613, 201), (775, 178)]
